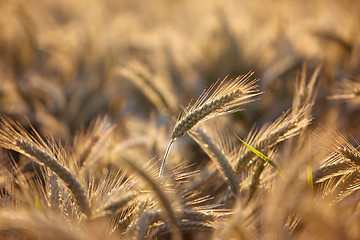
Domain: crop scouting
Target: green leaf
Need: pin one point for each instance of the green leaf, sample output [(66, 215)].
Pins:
[(310, 181), (265, 158), (38, 204)]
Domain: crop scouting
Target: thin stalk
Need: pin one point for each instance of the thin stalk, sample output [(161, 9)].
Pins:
[(165, 157)]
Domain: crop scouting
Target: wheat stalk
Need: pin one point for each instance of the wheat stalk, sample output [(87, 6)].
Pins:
[(223, 97)]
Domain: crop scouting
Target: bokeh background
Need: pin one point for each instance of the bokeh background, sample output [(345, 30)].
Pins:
[(63, 63), (137, 64)]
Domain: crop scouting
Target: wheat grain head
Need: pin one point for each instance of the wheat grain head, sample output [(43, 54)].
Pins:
[(221, 98), (15, 137), (218, 147)]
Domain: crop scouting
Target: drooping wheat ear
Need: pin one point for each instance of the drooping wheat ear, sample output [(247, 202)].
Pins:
[(219, 152), (223, 97), (53, 192), (16, 138), (64, 174)]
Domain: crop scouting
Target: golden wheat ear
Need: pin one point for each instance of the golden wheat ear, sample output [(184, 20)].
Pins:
[(14, 137), (223, 97)]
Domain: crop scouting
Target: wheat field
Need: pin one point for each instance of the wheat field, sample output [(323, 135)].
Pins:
[(179, 119)]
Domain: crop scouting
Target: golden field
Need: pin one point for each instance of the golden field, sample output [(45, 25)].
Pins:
[(92, 92)]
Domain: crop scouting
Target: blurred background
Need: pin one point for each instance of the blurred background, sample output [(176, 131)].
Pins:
[(64, 63)]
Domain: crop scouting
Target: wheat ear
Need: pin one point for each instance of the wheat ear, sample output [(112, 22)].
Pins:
[(223, 97), (286, 126), (154, 184), (64, 174), (121, 202), (336, 169), (186, 226), (16, 138), (220, 153), (53, 191), (143, 223)]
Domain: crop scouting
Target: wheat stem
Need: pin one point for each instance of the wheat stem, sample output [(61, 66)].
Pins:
[(165, 157)]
